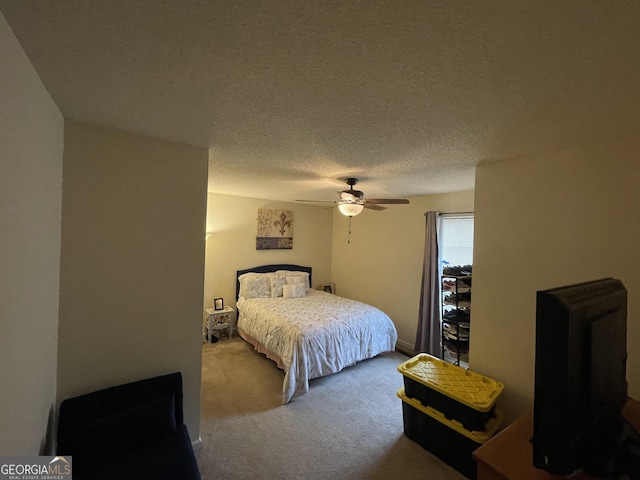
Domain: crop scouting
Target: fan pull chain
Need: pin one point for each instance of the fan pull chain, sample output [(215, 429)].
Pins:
[(349, 239)]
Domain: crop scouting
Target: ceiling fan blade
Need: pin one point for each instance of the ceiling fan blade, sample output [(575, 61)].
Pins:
[(374, 206), (388, 201), (353, 197)]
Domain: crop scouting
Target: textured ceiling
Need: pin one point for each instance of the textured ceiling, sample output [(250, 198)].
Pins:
[(293, 96)]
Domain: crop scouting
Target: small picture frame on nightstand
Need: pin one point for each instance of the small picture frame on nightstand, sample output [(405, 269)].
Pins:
[(218, 304), (329, 288)]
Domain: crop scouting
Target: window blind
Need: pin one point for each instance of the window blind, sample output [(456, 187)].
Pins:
[(457, 240)]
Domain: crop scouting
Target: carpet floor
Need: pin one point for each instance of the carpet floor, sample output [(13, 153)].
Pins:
[(348, 426)]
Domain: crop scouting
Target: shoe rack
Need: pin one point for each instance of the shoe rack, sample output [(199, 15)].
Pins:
[(456, 314)]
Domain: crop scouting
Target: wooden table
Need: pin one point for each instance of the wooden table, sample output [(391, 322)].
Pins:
[(509, 455)]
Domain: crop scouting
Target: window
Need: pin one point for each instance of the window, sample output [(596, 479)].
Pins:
[(456, 240), (456, 251)]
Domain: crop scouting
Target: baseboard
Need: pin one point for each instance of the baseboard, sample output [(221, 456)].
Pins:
[(196, 444), (405, 348)]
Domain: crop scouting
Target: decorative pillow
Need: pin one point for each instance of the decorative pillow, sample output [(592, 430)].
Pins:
[(244, 282), (276, 283), (293, 273), (254, 285), (298, 277), (245, 276), (295, 290)]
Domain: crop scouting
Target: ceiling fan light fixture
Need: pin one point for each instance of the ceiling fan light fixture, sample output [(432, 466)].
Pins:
[(349, 209), (351, 196)]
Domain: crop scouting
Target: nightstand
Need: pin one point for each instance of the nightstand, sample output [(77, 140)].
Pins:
[(224, 319)]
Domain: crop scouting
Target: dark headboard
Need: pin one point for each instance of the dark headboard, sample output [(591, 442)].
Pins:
[(271, 268)]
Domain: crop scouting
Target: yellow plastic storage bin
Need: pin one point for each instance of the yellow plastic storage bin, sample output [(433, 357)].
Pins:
[(459, 394), (446, 439)]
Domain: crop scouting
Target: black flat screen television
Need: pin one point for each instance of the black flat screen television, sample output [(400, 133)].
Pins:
[(580, 376)]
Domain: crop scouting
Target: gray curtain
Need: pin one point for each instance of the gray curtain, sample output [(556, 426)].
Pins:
[(428, 336)]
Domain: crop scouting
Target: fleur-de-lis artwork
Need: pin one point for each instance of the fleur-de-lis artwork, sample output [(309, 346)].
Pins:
[(275, 229)]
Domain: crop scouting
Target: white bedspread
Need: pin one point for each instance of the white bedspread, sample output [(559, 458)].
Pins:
[(316, 335)]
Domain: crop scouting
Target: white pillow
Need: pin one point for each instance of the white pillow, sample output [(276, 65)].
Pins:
[(251, 275), (298, 277), (277, 282), (254, 285), (294, 290), (243, 281)]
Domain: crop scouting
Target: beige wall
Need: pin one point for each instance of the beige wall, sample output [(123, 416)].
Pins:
[(555, 219), (31, 145), (231, 243), (132, 265), (382, 265)]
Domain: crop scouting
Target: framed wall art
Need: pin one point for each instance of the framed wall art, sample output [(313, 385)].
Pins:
[(275, 229)]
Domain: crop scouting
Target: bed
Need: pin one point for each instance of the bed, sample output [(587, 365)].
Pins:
[(308, 333)]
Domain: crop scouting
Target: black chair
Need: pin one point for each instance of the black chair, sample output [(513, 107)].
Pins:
[(131, 431)]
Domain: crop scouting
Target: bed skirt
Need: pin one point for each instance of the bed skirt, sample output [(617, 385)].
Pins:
[(260, 348)]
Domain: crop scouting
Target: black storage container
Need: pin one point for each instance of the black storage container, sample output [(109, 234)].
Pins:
[(445, 438), (459, 394)]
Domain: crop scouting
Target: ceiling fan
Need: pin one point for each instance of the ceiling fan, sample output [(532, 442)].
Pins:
[(352, 201)]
